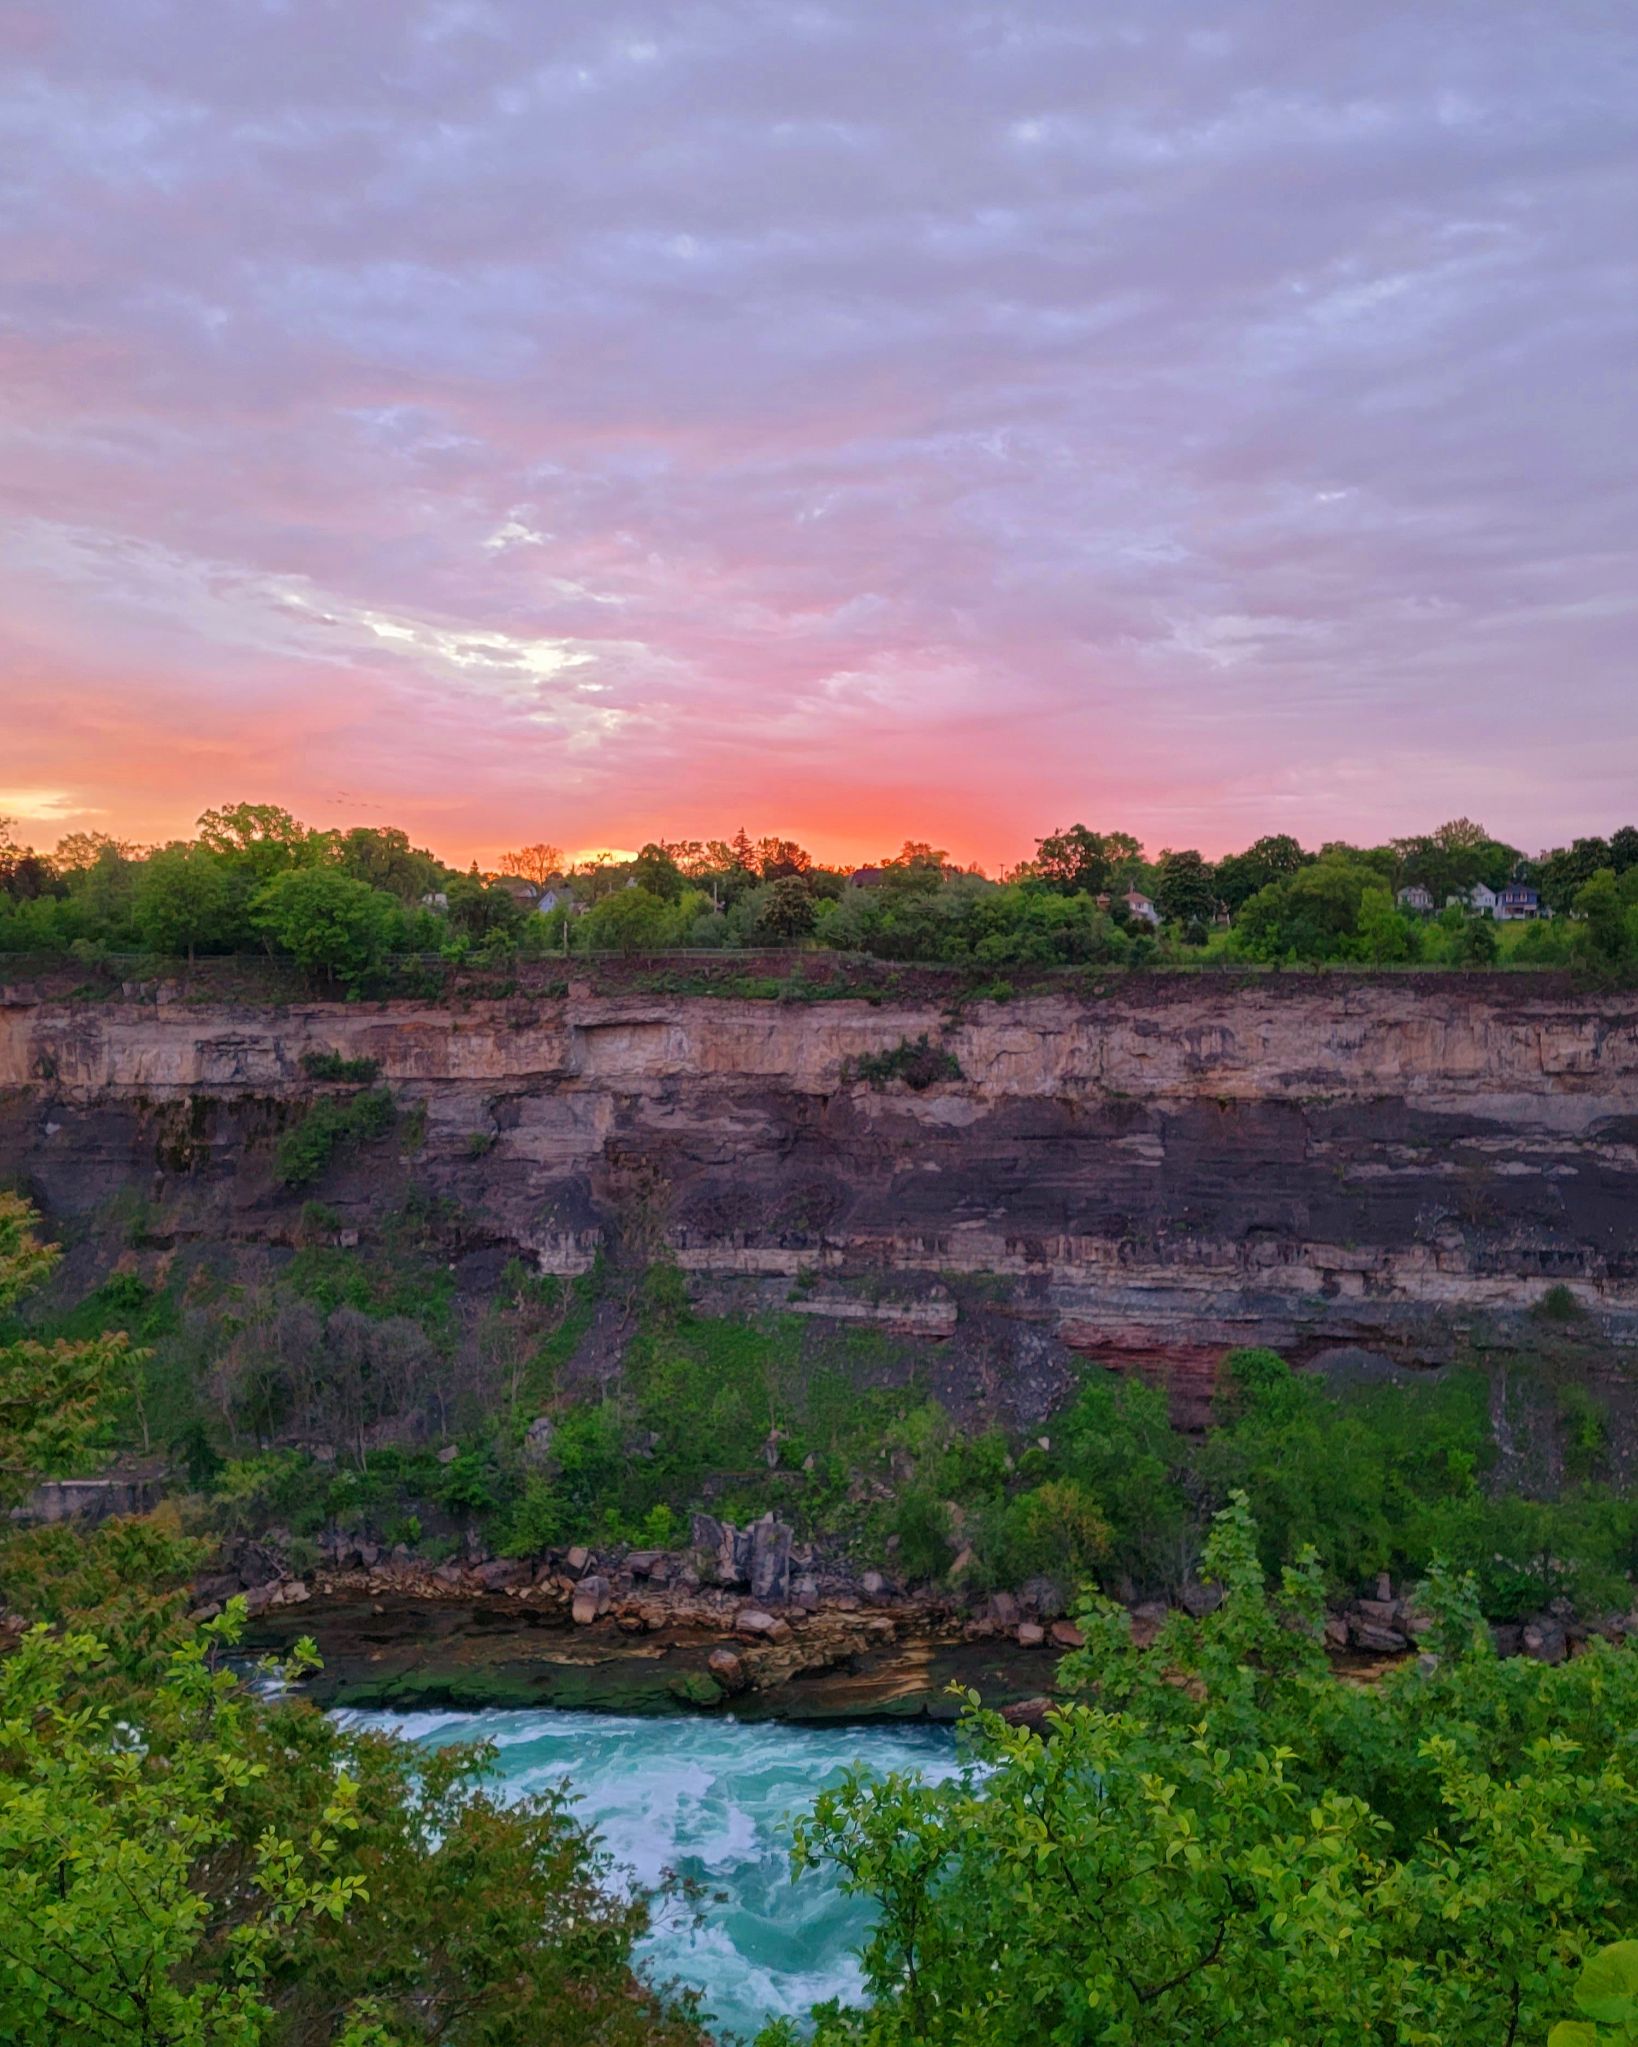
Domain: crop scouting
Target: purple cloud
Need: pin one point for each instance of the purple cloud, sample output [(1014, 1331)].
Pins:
[(947, 418)]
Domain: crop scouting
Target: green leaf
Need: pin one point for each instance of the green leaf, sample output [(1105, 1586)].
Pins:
[(1608, 1989)]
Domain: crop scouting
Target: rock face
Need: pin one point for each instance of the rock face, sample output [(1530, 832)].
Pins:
[(1149, 1175)]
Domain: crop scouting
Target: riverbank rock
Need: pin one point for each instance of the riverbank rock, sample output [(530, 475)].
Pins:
[(1545, 1639), (727, 1669), (591, 1601), (752, 1621)]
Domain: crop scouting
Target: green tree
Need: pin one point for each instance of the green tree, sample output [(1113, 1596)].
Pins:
[(1607, 939), (327, 922), (1215, 1840), (52, 1395), (785, 910), (483, 913), (384, 857), (183, 900), (1384, 935), (629, 920), (1267, 860), (656, 871), (1073, 862), (1310, 915), (1185, 889), (258, 840)]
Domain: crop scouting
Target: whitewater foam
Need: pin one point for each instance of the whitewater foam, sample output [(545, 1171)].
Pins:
[(711, 1799)]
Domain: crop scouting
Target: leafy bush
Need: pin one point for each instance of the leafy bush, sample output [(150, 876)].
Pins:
[(921, 1522), (1214, 1840), (305, 1151), (333, 1066), (917, 1062)]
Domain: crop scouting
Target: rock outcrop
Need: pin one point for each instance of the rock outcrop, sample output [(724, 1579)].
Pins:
[(1147, 1174)]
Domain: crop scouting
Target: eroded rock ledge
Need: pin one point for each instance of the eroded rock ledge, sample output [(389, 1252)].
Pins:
[(1148, 1174)]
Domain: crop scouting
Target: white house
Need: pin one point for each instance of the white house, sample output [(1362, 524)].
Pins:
[(1478, 901), (1416, 898), (1141, 909)]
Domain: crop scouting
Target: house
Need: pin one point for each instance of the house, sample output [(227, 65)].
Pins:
[(1141, 910), (1416, 899), (865, 877), (1516, 902), (1478, 901)]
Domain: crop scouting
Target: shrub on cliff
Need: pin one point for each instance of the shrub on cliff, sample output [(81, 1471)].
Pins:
[(307, 1148), (918, 1062)]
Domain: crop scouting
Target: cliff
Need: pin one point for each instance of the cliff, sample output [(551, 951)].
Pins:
[(1148, 1175)]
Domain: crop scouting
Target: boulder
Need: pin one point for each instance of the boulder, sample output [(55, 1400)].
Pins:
[(1372, 1635), (258, 1566), (770, 1561), (591, 1601), (1198, 1600), (1545, 1639), (1003, 1610), (722, 1551), (449, 1453), (872, 1584), (1031, 1713), (727, 1669), (577, 1561), (537, 1442), (1065, 1635), (1031, 1634), (640, 1563), (503, 1572), (753, 1621), (1043, 1597)]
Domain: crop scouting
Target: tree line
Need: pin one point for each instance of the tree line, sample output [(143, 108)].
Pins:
[(340, 904)]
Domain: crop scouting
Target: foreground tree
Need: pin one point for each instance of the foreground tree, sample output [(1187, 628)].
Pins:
[(1217, 1841), (184, 1863), (52, 1395)]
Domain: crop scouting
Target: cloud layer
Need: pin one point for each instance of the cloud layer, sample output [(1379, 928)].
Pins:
[(917, 416)]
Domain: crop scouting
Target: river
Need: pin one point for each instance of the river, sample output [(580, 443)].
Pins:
[(711, 1799)]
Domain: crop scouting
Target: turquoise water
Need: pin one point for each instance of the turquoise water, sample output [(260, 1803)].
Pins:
[(709, 1798)]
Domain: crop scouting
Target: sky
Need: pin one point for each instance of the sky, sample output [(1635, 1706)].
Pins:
[(911, 418)]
